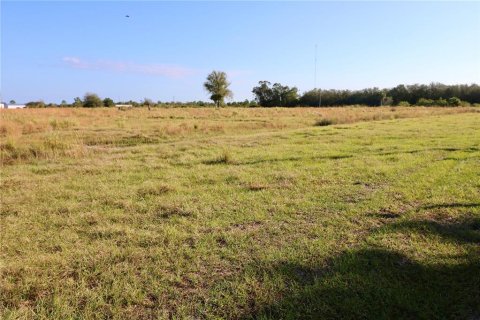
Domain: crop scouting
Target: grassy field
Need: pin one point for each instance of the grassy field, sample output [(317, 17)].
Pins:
[(240, 213)]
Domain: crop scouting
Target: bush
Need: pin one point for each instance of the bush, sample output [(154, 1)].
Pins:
[(441, 102), (454, 102), (35, 104), (77, 103), (404, 104), (425, 102)]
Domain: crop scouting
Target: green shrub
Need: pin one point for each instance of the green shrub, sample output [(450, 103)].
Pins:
[(35, 104), (425, 102), (454, 102), (404, 104), (441, 102)]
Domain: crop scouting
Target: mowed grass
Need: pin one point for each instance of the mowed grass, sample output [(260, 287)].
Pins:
[(275, 218)]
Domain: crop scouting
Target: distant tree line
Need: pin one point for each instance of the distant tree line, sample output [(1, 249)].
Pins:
[(435, 94), (278, 95), (92, 100)]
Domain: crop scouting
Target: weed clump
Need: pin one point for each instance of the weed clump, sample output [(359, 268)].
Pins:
[(224, 158), (168, 211), (153, 190), (324, 122), (60, 124), (256, 186)]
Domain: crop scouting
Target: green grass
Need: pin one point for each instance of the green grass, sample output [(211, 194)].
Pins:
[(375, 220)]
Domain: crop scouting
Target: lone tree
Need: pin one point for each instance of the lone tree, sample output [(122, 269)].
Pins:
[(148, 103), (217, 86), (91, 100), (107, 102)]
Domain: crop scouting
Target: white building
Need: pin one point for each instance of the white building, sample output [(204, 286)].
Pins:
[(15, 106), (4, 105)]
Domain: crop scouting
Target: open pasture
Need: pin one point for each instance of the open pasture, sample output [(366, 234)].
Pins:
[(187, 213), (34, 134)]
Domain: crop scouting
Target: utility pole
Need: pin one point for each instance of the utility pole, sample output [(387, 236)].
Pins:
[(315, 74), (315, 80)]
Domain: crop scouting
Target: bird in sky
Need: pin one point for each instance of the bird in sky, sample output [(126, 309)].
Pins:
[(127, 16)]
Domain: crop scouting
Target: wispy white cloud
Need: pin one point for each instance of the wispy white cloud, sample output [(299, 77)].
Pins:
[(75, 62), (164, 70)]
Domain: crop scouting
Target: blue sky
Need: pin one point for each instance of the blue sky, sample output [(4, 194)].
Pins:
[(60, 50)]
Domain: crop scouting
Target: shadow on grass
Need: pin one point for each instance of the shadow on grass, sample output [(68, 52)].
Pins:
[(468, 149), (387, 153), (466, 232), (314, 158), (452, 205), (377, 283)]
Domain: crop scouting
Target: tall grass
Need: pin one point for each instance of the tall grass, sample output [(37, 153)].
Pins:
[(31, 134)]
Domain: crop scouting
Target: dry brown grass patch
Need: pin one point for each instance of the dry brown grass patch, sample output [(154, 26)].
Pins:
[(153, 190)]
